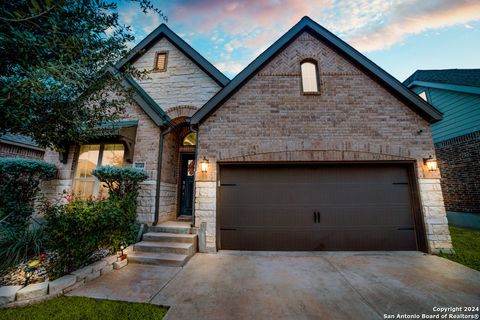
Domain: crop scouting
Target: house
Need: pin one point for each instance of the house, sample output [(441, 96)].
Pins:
[(19, 146), (455, 93), (311, 147)]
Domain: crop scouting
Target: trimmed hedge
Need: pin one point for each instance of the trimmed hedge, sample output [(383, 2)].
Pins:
[(19, 183), (120, 181)]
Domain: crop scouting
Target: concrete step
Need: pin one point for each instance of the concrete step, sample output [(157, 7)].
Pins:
[(163, 259), (170, 237), (171, 227), (165, 247)]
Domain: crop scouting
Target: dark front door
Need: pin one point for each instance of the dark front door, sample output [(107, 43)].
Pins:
[(314, 207), (188, 172)]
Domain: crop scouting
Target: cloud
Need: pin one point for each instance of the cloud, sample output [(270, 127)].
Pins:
[(230, 67), (413, 17)]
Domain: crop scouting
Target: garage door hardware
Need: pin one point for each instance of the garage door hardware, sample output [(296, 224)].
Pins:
[(228, 229), (409, 228), (228, 184), (316, 216), (400, 183)]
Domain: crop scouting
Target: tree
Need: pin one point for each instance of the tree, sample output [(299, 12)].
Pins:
[(53, 81)]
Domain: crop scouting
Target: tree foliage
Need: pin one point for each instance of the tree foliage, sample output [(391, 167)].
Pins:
[(53, 81), (120, 181)]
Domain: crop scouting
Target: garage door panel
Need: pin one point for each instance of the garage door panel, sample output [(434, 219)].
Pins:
[(361, 207)]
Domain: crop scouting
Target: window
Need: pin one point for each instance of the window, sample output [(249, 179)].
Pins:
[(91, 156), (160, 61), (190, 139), (423, 95), (309, 77)]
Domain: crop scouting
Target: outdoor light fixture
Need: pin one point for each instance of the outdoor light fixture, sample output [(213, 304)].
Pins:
[(122, 247), (28, 275), (204, 165), (431, 163)]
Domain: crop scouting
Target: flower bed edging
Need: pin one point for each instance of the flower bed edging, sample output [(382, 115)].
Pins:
[(18, 296)]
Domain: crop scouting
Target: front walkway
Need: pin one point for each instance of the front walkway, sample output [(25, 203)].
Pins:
[(247, 285)]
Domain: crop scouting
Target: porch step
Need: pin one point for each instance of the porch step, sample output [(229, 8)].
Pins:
[(165, 247), (172, 227), (163, 259), (170, 237)]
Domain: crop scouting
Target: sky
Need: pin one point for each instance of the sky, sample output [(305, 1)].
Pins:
[(400, 36)]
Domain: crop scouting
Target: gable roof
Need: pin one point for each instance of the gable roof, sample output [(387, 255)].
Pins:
[(151, 108), (165, 32), (464, 80), (306, 24)]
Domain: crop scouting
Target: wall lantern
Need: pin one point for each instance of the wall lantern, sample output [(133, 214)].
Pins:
[(431, 163), (204, 165)]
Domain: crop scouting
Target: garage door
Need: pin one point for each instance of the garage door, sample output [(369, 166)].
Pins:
[(331, 207)]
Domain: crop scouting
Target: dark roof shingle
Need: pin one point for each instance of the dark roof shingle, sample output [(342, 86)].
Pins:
[(460, 77)]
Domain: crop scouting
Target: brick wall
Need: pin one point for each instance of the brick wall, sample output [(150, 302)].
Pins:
[(459, 161), (353, 118), (13, 151)]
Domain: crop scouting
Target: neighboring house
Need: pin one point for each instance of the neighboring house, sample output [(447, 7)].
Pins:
[(456, 93), (19, 146), (311, 147)]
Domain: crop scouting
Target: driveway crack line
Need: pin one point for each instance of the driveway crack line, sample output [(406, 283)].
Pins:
[(354, 289), (166, 284)]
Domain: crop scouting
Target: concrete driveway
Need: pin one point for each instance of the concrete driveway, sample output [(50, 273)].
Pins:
[(249, 285)]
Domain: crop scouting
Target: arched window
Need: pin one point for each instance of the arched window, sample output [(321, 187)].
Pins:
[(309, 76), (190, 139)]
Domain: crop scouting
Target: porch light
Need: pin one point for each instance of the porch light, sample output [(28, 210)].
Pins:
[(204, 165), (431, 163)]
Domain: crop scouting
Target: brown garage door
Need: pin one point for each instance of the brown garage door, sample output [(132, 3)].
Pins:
[(331, 207)]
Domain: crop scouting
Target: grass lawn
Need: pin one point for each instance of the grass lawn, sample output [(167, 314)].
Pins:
[(84, 308), (466, 243)]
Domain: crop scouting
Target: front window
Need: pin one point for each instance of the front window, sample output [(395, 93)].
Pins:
[(91, 156)]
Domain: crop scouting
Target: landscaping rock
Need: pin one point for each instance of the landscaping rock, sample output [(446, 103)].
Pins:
[(110, 259), (106, 269), (7, 294), (32, 291), (82, 273), (74, 286), (120, 264), (57, 286), (92, 276), (97, 266)]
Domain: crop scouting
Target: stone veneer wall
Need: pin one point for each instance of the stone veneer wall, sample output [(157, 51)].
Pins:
[(459, 161), (183, 83), (353, 118)]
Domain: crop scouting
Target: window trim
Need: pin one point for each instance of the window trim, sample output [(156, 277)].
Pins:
[(157, 53), (317, 74), (96, 187)]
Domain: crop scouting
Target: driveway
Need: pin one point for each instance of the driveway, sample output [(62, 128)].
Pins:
[(249, 285)]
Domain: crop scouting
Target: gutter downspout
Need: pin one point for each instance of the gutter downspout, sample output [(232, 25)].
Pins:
[(159, 174), (195, 129)]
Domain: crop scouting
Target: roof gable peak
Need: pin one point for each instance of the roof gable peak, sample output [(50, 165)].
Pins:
[(163, 31)]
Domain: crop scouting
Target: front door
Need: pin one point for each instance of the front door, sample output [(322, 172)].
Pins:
[(187, 176)]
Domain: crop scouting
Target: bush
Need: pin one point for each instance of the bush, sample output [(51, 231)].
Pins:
[(120, 181), (19, 181), (19, 245)]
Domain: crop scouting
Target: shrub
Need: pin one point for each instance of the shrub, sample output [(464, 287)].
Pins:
[(18, 245), (120, 181), (19, 181), (77, 229)]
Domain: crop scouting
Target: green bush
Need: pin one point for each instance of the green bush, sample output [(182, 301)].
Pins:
[(18, 245), (19, 181), (78, 229), (120, 181)]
